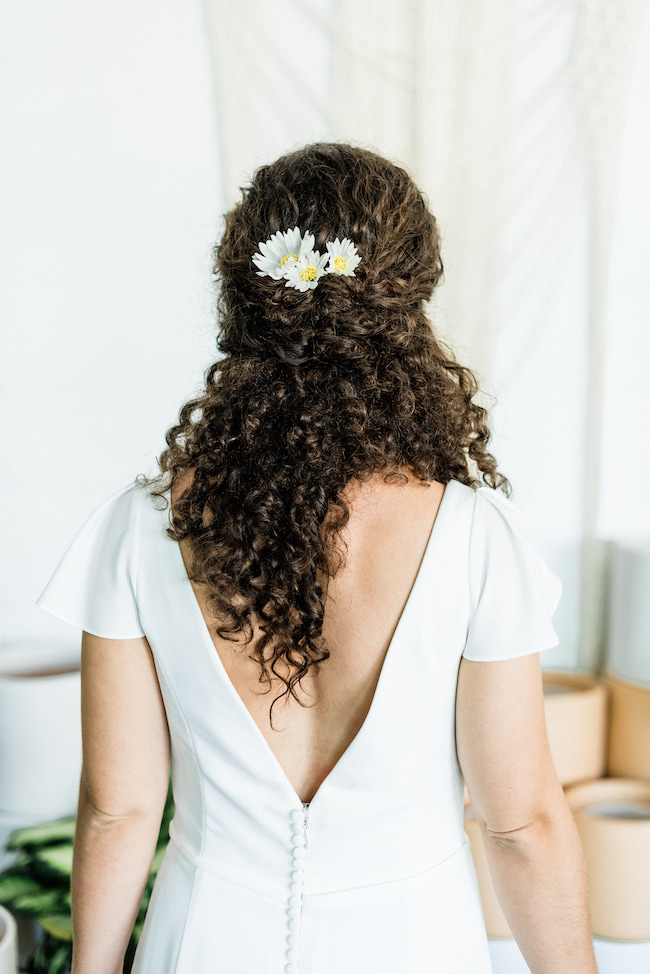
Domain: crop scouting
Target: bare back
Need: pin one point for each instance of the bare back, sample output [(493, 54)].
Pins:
[(386, 538)]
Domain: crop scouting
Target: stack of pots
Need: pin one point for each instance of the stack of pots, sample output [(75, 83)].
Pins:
[(599, 733), (576, 720)]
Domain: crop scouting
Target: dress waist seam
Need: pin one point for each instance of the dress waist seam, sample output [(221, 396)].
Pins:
[(249, 881)]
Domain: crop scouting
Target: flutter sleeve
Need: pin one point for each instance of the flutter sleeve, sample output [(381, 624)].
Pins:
[(513, 592), (94, 585)]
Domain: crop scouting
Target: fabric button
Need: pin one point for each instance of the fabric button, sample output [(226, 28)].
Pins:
[(299, 852)]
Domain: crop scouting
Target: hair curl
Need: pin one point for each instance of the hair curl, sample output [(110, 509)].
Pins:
[(314, 389)]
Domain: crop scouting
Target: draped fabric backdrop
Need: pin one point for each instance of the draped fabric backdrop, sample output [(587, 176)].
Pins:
[(123, 147), (509, 114)]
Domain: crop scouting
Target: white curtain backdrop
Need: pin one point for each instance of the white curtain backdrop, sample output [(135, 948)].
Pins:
[(271, 66), (510, 115), (133, 127)]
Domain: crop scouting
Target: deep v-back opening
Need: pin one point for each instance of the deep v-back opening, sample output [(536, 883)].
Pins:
[(238, 701)]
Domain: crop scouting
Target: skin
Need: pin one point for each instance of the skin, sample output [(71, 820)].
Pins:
[(532, 845)]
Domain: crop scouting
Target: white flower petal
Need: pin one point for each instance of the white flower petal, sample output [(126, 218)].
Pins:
[(268, 267), (292, 240), (266, 251), (274, 252), (307, 244), (287, 255), (264, 263), (345, 253), (310, 264)]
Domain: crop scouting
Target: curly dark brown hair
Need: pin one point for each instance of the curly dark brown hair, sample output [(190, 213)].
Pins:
[(312, 390)]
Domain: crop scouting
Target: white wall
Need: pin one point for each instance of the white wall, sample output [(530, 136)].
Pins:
[(112, 202)]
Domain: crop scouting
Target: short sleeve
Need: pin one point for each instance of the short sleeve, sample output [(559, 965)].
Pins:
[(513, 592), (93, 586)]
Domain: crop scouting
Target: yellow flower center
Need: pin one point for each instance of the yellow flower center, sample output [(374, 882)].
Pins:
[(310, 273), (288, 257), (340, 264)]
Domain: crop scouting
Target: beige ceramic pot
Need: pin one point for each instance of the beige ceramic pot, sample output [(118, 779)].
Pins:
[(629, 729), (613, 819), (576, 719)]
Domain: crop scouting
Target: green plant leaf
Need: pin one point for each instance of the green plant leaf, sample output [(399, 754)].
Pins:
[(157, 859), (37, 835), (19, 865), (53, 860), (12, 886), (59, 926), (61, 960), (42, 903)]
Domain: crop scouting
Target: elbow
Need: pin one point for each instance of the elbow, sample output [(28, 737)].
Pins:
[(539, 829), (515, 842), (103, 815)]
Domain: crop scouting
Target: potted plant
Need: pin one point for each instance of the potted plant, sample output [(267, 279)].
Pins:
[(36, 885)]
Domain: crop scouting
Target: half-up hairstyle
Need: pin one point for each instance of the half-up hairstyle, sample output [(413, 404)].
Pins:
[(312, 390)]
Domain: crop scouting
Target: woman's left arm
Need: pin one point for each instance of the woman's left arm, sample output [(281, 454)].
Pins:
[(531, 841), (121, 797)]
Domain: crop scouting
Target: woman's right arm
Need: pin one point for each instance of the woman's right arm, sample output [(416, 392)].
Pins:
[(532, 845), (121, 800)]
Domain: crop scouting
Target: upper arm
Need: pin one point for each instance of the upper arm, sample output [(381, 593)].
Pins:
[(502, 743), (124, 727)]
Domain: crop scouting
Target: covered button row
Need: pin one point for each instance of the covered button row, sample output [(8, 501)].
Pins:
[(298, 846)]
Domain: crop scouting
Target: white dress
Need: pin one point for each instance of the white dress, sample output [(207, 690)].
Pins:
[(374, 876)]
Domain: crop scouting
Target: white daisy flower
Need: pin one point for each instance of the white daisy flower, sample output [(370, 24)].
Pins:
[(343, 257), (304, 273), (279, 250)]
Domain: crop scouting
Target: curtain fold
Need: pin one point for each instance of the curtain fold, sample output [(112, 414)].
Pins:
[(373, 78), (463, 66), (271, 66), (508, 113), (604, 54)]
